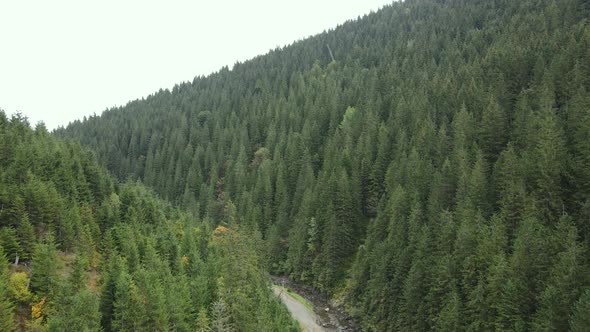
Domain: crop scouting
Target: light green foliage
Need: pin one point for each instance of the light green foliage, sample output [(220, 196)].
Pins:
[(203, 322), (79, 313), (129, 310), (349, 118), (220, 317), (19, 292)]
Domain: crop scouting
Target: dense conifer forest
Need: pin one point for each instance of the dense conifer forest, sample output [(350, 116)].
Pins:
[(434, 174), (96, 255)]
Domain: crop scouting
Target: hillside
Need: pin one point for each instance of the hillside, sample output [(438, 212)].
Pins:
[(434, 176), (95, 255)]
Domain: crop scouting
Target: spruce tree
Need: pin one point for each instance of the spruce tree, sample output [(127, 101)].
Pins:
[(580, 319), (6, 306), (45, 267)]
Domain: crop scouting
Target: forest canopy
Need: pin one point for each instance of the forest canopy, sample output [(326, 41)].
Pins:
[(432, 175), (97, 255)]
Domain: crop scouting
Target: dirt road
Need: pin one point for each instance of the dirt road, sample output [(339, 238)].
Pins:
[(304, 316)]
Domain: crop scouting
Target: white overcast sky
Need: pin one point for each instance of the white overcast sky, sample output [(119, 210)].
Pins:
[(61, 60)]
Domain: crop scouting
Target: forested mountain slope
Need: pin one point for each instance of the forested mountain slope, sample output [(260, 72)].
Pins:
[(436, 175), (94, 255)]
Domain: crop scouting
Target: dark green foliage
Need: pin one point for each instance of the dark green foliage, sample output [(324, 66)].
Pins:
[(129, 311), (567, 278), (434, 177), (112, 258), (45, 267), (26, 235), (9, 241)]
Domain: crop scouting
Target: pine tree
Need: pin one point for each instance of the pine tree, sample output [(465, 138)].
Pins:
[(413, 311), (379, 168), (151, 297), (566, 280), (179, 305), (128, 309), (27, 239), (494, 135), (529, 264), (109, 292), (546, 159), (449, 319), (203, 321), (78, 277), (9, 241), (79, 313), (45, 267), (580, 319), (220, 319), (6, 306)]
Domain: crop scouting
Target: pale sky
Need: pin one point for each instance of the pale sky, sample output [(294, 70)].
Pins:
[(61, 60)]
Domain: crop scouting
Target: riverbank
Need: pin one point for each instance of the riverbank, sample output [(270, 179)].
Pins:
[(301, 312), (329, 317)]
